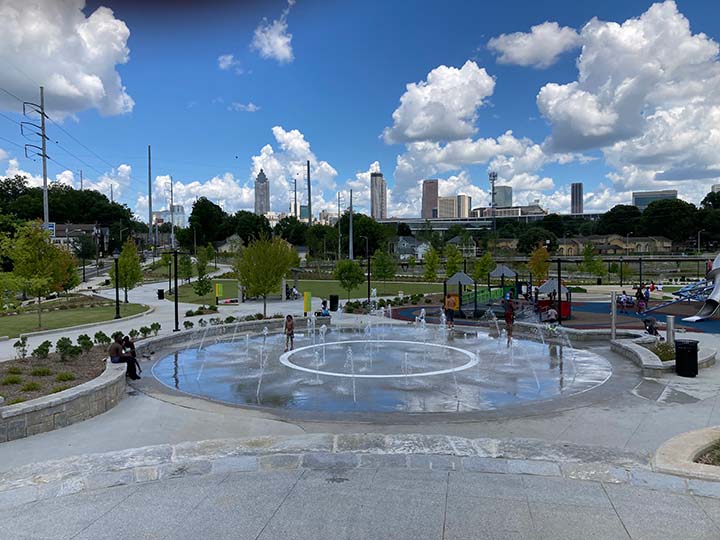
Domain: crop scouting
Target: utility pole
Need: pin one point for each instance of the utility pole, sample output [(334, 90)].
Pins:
[(309, 195), (172, 215), (112, 199), (350, 232), (81, 180), (40, 109), (295, 208), (150, 219), (339, 229)]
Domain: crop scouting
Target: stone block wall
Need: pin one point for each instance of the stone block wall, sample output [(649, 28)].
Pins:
[(64, 408)]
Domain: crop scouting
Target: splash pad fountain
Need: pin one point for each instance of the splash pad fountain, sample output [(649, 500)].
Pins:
[(376, 366)]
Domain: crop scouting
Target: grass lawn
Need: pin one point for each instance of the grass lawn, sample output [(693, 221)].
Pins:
[(318, 288), (14, 325)]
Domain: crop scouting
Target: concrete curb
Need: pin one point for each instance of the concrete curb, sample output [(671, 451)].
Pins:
[(677, 456), (327, 451), (87, 325)]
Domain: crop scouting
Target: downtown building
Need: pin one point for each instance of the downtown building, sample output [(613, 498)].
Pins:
[(378, 196), (642, 199), (262, 194), (576, 198), (429, 199), (503, 196)]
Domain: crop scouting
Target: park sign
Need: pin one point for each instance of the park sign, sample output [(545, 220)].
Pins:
[(50, 226)]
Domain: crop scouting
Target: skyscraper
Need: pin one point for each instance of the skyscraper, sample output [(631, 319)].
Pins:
[(642, 199), (503, 196), (262, 194), (576, 198), (429, 199), (446, 207), (378, 196), (464, 204)]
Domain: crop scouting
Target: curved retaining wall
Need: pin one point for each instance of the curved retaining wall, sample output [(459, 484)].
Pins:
[(648, 361), (64, 408), (104, 392)]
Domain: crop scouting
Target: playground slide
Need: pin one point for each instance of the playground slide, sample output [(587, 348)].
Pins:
[(712, 303)]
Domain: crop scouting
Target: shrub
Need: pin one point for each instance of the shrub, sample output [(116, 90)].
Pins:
[(66, 349), (259, 316), (41, 372), (11, 379), (15, 401), (188, 313), (145, 331), (116, 334), (31, 386), (212, 308), (665, 351), (203, 323), (188, 325), (428, 300), (15, 371), (214, 321), (65, 376), (277, 316), (155, 327), (21, 348), (249, 317), (56, 389), (85, 343), (42, 350), (230, 319), (133, 334), (101, 338)]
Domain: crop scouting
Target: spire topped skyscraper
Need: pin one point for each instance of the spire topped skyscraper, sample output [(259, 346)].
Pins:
[(262, 194)]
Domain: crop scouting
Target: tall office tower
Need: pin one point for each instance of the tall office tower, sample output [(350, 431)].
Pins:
[(503, 196), (429, 199), (642, 199), (446, 207), (378, 196), (576, 198), (262, 194), (464, 204)]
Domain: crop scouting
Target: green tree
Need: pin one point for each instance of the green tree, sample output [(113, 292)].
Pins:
[(34, 260), (711, 200), (207, 220), (210, 254), (534, 237), (592, 264), (383, 265), (203, 284), (672, 218), (483, 266), (263, 264), (431, 262), (129, 269), (249, 226), (453, 260), (293, 230), (66, 270), (539, 262), (349, 274), (620, 219), (185, 267), (554, 224)]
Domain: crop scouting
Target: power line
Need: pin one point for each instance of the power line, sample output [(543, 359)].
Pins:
[(9, 93), (9, 119)]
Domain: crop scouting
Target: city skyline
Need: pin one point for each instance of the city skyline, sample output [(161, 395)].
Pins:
[(534, 97)]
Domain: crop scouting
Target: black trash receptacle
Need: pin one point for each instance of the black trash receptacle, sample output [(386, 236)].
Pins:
[(161, 294), (334, 301), (686, 357), (599, 281)]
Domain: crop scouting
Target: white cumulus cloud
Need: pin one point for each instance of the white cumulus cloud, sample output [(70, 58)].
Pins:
[(443, 107), (539, 48), (227, 62), (273, 40), (74, 56), (243, 107)]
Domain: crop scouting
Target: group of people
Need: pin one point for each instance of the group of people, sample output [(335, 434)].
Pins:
[(122, 351), (641, 301)]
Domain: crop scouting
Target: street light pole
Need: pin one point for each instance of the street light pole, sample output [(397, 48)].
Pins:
[(116, 256), (367, 255), (177, 320)]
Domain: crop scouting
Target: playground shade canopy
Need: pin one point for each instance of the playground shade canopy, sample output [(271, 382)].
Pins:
[(502, 270), (551, 286), (460, 278)]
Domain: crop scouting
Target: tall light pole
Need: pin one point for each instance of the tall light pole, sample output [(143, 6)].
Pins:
[(367, 255), (116, 257)]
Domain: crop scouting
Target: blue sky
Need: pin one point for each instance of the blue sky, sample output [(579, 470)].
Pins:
[(222, 90)]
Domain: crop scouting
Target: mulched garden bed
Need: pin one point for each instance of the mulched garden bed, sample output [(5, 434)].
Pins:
[(711, 457), (23, 380)]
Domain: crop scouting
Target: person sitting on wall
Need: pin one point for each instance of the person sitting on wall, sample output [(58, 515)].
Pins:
[(117, 356), (324, 311)]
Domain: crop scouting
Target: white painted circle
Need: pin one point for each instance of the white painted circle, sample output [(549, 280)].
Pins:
[(472, 360)]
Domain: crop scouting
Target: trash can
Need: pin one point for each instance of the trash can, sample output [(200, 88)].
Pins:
[(161, 294), (334, 301), (686, 357), (599, 281)]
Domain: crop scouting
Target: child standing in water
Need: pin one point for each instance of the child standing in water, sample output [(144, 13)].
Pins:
[(289, 332)]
